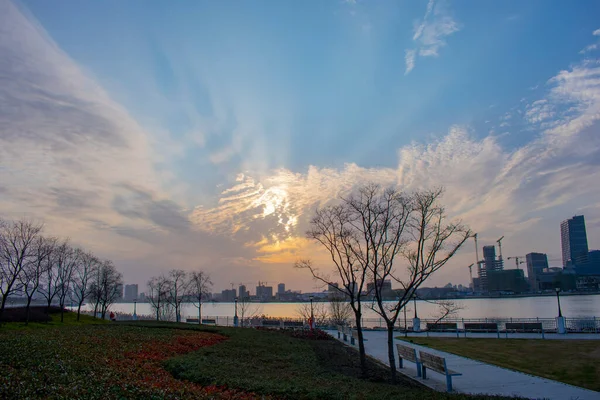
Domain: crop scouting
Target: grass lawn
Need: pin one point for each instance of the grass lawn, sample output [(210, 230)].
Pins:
[(576, 362), (144, 360)]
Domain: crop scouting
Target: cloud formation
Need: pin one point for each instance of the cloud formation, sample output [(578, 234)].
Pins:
[(430, 33)]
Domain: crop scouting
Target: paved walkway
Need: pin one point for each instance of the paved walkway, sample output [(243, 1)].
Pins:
[(479, 377)]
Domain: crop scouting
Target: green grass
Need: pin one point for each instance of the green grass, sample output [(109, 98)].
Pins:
[(70, 319), (147, 360), (576, 362), (273, 363)]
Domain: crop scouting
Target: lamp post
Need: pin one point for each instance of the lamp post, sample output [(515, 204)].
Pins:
[(415, 304), (416, 320), (312, 314), (134, 309), (558, 301), (235, 317)]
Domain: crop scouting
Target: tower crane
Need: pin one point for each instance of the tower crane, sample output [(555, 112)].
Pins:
[(499, 241), (517, 260), (476, 249)]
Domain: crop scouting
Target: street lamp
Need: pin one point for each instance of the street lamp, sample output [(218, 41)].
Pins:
[(134, 309), (312, 314), (235, 317), (558, 301)]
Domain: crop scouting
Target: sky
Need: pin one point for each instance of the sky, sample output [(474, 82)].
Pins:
[(203, 135)]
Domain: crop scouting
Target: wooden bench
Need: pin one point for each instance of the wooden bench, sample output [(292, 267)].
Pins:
[(409, 354), (271, 323), (524, 326), (481, 326), (354, 338), (209, 321), (442, 326), (340, 330), (437, 364), (293, 324), (191, 320)]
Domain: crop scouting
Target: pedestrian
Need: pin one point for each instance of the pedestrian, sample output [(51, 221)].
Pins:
[(112, 316)]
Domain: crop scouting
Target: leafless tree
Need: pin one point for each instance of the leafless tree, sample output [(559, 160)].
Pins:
[(108, 281), (85, 269), (17, 248), (49, 284), (446, 308), (319, 311), (333, 227), (31, 276), (177, 289), (66, 260), (413, 227), (158, 291), (339, 310), (199, 287), (247, 310)]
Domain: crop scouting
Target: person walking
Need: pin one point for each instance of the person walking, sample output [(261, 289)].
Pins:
[(112, 316)]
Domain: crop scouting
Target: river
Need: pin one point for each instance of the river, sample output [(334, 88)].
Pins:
[(580, 306)]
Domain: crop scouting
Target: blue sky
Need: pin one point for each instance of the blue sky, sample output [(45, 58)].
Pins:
[(233, 109)]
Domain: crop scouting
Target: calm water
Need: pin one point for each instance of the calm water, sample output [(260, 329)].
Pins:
[(525, 307)]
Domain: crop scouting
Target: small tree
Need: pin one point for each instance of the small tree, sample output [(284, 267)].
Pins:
[(199, 286), (49, 284), (66, 260), (339, 310), (247, 310), (319, 311), (158, 290), (17, 249), (85, 270), (177, 289), (109, 280), (32, 273)]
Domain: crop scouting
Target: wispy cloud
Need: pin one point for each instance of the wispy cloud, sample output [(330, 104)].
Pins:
[(430, 33), (593, 46)]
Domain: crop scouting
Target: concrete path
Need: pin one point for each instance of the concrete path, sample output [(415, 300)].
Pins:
[(479, 377)]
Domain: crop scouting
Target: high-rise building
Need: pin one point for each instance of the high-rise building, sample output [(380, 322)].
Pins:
[(536, 264), (491, 263), (384, 287), (264, 293), (243, 293), (228, 295), (574, 243), (119, 291), (281, 288), (131, 292)]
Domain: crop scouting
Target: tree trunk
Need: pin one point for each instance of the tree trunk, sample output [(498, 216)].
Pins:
[(62, 311), (49, 304), (199, 313), (27, 309), (391, 356), (361, 344), (79, 309), (96, 310), (2, 307)]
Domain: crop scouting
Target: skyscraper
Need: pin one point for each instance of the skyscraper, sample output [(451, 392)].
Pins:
[(131, 292), (243, 293), (573, 239), (281, 288), (536, 263), (490, 261)]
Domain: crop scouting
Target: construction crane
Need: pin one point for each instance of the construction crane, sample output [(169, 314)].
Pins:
[(476, 250), (499, 241), (516, 258)]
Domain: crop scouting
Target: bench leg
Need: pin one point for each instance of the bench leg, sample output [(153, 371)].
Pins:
[(449, 383), (345, 338), (352, 340), (338, 335), (419, 370), (400, 362), (423, 372)]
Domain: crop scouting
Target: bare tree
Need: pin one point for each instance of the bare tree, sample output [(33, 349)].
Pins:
[(319, 311), (199, 287), (247, 310), (446, 308), (85, 269), (49, 284), (31, 276), (339, 310), (177, 290), (414, 227), (109, 280), (158, 291), (17, 247), (66, 260), (332, 226)]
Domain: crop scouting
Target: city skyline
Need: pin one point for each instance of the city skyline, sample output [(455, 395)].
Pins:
[(199, 139)]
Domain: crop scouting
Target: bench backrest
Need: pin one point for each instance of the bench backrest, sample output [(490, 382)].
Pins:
[(407, 353), (442, 326), (293, 324), (209, 321), (524, 326), (433, 362), (481, 326), (355, 334)]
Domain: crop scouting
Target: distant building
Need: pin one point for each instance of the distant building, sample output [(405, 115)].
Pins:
[(131, 292), (119, 293), (590, 266), (383, 286), (142, 297), (243, 293), (573, 239), (264, 293), (228, 295), (490, 264), (281, 288), (536, 264), (507, 280)]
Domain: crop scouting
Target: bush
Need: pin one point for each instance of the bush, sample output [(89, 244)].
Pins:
[(36, 314)]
